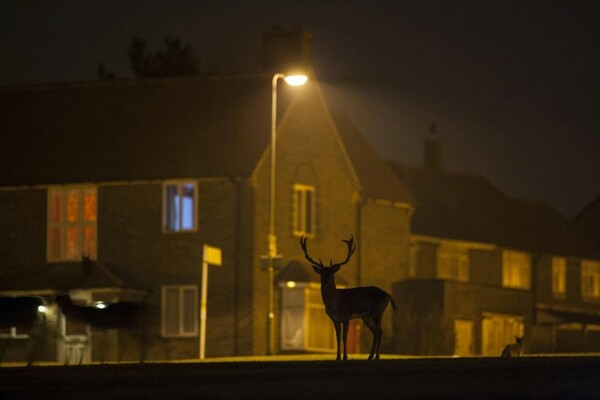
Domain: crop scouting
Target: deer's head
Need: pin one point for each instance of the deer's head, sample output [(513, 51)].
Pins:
[(327, 272)]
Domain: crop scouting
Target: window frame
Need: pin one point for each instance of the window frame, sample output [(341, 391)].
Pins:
[(179, 183), (80, 224), (498, 330), (459, 330), (590, 269), (181, 311), (559, 277), (446, 252), (301, 190), (514, 271)]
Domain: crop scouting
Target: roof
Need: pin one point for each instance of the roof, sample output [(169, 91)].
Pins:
[(588, 221), (470, 208), (133, 130), (67, 276), (376, 178), (172, 128)]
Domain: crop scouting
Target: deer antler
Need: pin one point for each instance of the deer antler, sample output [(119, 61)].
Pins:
[(303, 240), (351, 249)]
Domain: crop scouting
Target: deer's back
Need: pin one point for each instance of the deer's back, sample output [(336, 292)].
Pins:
[(365, 299)]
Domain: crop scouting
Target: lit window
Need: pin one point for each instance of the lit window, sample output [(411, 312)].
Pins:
[(516, 270), (559, 276), (590, 279), (463, 338), (499, 330), (304, 210), (320, 331), (453, 262), (180, 199), (305, 325), (179, 308), (72, 223)]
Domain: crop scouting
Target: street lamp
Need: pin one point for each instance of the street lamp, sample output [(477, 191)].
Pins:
[(292, 80)]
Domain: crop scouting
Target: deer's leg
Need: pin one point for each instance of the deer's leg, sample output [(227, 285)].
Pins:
[(369, 323), (345, 326), (377, 333), (338, 334)]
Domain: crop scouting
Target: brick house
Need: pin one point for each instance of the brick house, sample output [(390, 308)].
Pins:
[(141, 174), (588, 221), (485, 267)]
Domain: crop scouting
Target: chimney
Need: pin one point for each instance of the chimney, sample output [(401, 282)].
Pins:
[(287, 51), (433, 154)]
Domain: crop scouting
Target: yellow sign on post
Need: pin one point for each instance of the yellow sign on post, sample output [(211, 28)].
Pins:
[(210, 255)]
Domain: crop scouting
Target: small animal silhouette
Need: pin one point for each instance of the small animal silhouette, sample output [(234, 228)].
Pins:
[(515, 349)]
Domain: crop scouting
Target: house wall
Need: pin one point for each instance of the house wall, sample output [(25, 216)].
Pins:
[(131, 241), (23, 234), (430, 323), (485, 267), (419, 321), (132, 244), (428, 309), (472, 301), (576, 326), (309, 151), (383, 257)]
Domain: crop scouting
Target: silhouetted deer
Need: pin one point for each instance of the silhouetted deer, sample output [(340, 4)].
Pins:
[(515, 349), (342, 305), (120, 315), (27, 313)]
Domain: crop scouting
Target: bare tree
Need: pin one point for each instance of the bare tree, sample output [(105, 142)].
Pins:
[(342, 305), (175, 59)]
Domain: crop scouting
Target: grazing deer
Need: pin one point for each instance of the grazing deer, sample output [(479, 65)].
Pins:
[(342, 305), (27, 313), (515, 349), (121, 315)]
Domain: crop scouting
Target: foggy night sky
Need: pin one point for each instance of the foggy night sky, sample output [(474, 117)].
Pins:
[(513, 87)]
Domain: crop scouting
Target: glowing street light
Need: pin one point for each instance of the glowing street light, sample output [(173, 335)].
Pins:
[(292, 80)]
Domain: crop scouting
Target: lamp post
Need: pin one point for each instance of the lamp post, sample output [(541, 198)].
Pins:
[(293, 80)]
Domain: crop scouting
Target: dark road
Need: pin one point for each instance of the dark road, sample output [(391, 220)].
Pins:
[(489, 378)]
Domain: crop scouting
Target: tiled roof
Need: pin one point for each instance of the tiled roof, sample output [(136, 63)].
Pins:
[(154, 129), (376, 178), (588, 221), (470, 208), (66, 276), (133, 130)]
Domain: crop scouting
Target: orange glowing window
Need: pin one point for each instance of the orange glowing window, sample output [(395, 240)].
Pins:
[(72, 205), (55, 206), (89, 240), (73, 243), (72, 223), (89, 205)]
